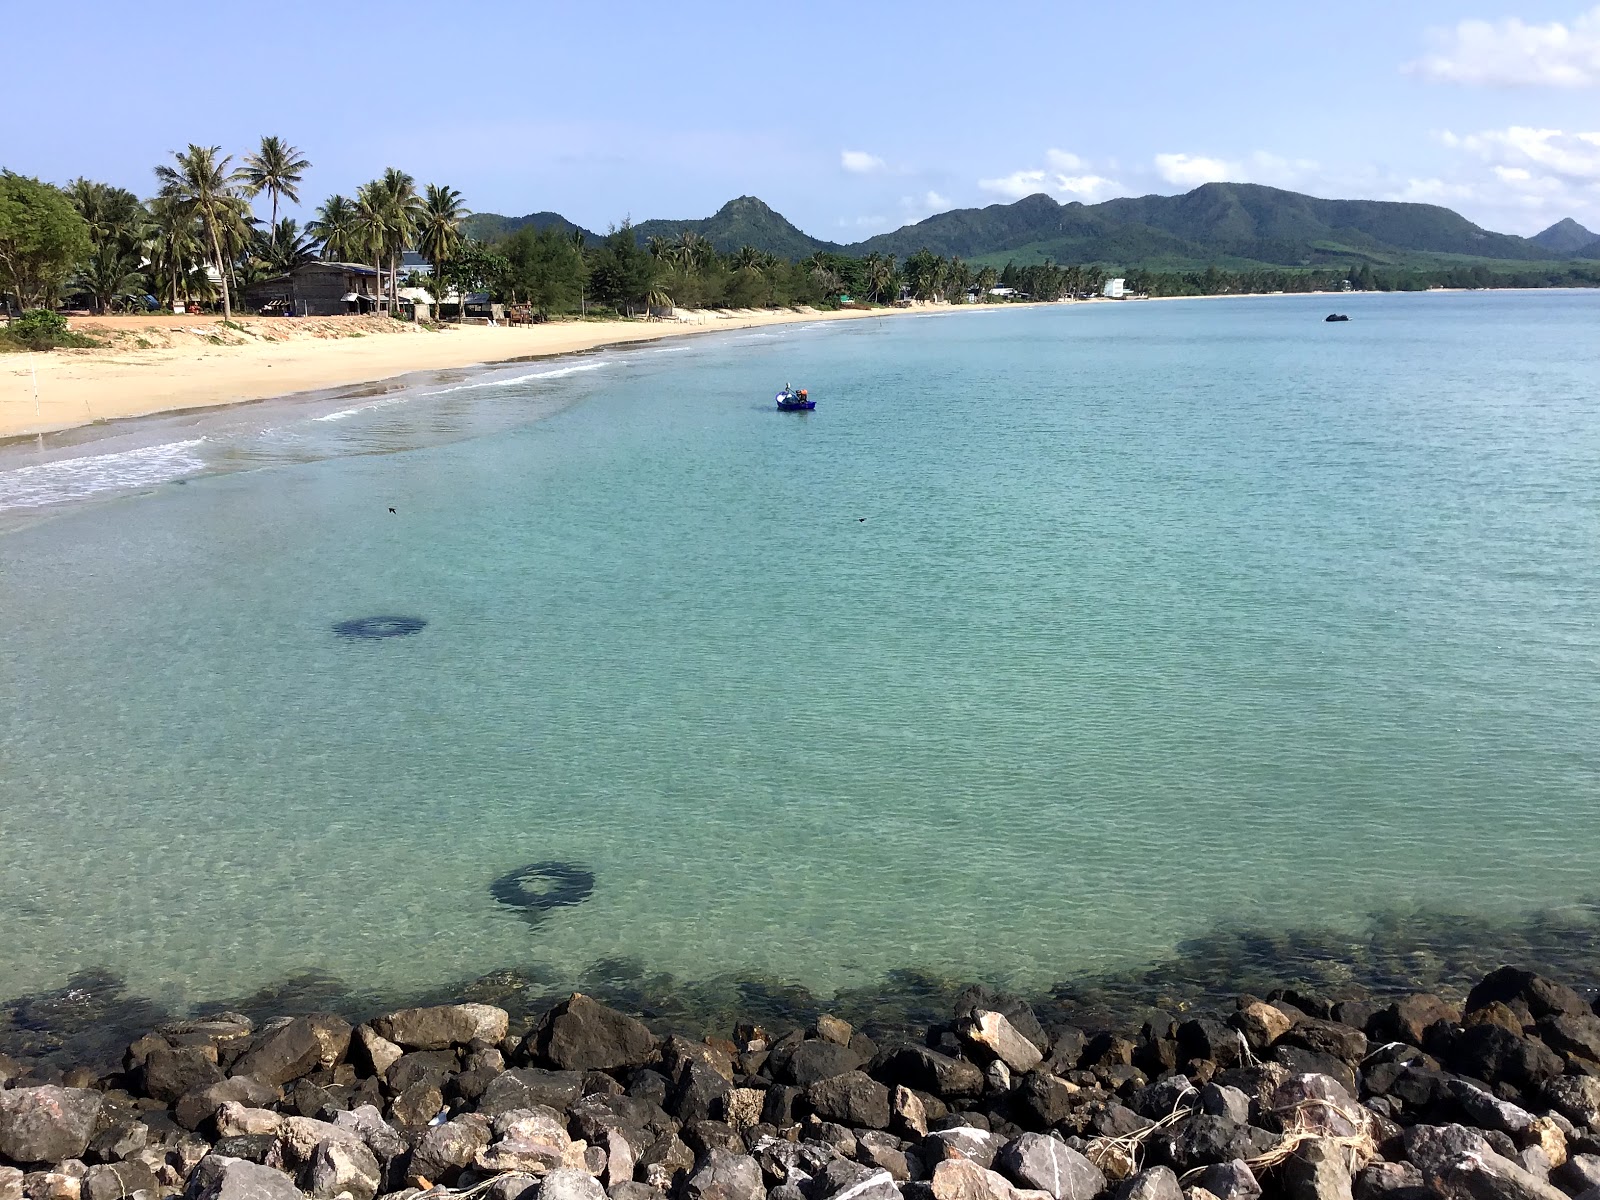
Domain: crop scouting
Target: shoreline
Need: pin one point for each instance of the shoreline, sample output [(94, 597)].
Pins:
[(73, 386)]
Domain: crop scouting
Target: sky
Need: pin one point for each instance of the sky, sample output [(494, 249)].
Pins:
[(850, 118)]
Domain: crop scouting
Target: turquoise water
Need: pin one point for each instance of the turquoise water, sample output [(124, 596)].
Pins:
[(1052, 638)]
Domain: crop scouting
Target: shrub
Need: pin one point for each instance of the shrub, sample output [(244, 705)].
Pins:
[(41, 329)]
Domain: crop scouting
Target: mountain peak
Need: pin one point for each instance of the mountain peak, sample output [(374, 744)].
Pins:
[(1566, 236)]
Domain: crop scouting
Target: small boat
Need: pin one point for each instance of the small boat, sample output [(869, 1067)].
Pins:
[(1336, 317), (790, 400)]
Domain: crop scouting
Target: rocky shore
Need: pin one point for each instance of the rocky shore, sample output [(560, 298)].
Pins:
[(1296, 1095)]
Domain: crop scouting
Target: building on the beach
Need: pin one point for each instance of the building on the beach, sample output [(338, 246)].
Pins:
[(320, 289), (1115, 289)]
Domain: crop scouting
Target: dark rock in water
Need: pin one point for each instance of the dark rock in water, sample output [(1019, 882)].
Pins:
[(539, 887), (812, 1062), (1495, 1055), (1014, 1009), (1531, 996), (237, 1179), (1336, 317), (1049, 1165), (927, 1071), (47, 1124), (583, 1035), (283, 1054), (1407, 1019), (379, 627), (1211, 1040), (1228, 1181), (529, 1087), (854, 1099), (442, 1026)]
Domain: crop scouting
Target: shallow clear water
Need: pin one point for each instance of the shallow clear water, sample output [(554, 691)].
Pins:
[(1052, 638)]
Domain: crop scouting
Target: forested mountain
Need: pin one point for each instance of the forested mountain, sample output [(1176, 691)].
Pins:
[(1238, 225), (489, 227), (746, 221), (1568, 237)]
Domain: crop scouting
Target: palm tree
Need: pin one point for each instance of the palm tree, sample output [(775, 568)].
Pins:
[(116, 222), (203, 185), (747, 257), (372, 228), (286, 248), (335, 227), (987, 278), (276, 169), (174, 246), (439, 227), (880, 275), (404, 213)]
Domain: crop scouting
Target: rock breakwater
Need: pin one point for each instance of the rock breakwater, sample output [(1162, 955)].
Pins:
[(1294, 1095)]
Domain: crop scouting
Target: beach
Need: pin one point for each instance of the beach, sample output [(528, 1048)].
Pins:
[(169, 364)]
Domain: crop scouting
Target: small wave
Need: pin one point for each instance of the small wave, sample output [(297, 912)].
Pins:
[(69, 479), (361, 408), (558, 373)]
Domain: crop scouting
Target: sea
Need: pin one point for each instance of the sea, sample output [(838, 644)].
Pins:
[(1055, 643)]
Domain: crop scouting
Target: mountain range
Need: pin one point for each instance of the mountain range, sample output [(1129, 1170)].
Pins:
[(1236, 225)]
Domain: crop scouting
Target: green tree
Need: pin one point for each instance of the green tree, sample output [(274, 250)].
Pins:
[(404, 208), (473, 268), (277, 169), (621, 271), (337, 228), (374, 231), (988, 277), (439, 224), (42, 239), (205, 185), (545, 268), (175, 247), (116, 222)]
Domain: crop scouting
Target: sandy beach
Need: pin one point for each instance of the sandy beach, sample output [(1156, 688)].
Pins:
[(166, 364)]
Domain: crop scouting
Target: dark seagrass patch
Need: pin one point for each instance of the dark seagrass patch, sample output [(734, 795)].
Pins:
[(366, 628), (538, 887)]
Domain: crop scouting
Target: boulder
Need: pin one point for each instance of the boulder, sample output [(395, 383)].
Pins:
[(284, 1052), (962, 1141), (622, 1155), (742, 1107), (722, 1175), (1261, 1023), (1014, 1009), (1220, 1100), (581, 1034), (962, 1179), (854, 1098), (700, 1094), (1328, 1037), (1578, 1174), (1390, 1181), (47, 1124), (1047, 1164), (10, 1177), (832, 1029), (1227, 1181), (811, 1062), (665, 1160), (195, 1108), (927, 1070), (436, 1067), (443, 1025), (343, 1166), (567, 1184), (1156, 1183), (1210, 1040), (116, 1140), (1496, 1055), (373, 1053), (999, 1039), (1317, 1170), (1460, 1164), (594, 1114), (1535, 995), (236, 1179), (237, 1120), (531, 1141), (444, 1150), (168, 1073), (417, 1105), (1576, 1035), (843, 1180), (367, 1123), (52, 1185), (530, 1087), (1487, 1111), (1407, 1019), (1576, 1097), (118, 1181), (907, 1114), (1042, 1100)]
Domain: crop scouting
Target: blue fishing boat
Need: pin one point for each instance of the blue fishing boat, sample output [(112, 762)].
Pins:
[(790, 400)]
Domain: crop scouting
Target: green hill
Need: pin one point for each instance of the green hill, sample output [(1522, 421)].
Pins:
[(746, 221), (1232, 225), (488, 227)]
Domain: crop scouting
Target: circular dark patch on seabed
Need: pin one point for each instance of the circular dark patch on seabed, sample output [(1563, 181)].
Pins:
[(379, 627), (539, 887)]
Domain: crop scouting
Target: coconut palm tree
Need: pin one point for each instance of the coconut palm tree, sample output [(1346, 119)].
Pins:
[(335, 227), (276, 169), (439, 227), (881, 277), (373, 230), (403, 215), (204, 184), (116, 222), (286, 248), (747, 257), (174, 245)]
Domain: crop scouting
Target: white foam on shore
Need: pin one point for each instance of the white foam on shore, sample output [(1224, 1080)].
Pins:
[(70, 479), (558, 373), (342, 413)]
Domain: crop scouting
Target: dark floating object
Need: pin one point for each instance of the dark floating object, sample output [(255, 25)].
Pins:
[(1336, 317), (379, 627), (541, 886), (392, 510), (790, 400)]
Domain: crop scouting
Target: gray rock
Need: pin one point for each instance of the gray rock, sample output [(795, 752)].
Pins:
[(962, 1179), (169, 1073), (116, 1141), (628, 1190), (444, 1150), (10, 1177), (1460, 1164), (255, 1147), (372, 1052), (842, 1180), (854, 1099), (927, 1070), (1487, 1111), (999, 1039), (236, 1120), (1156, 1183), (283, 1053), (594, 1114), (997, 1076), (907, 1114), (118, 1181), (1047, 1164), (443, 1025), (1390, 1181), (665, 1159), (582, 1034), (963, 1141), (367, 1123), (530, 1141), (343, 1166), (832, 1029), (567, 1184), (513, 1186), (195, 1108), (236, 1179), (1317, 1170), (51, 1185), (700, 1094), (622, 1155), (726, 1176), (436, 1067), (811, 1062), (1578, 1174), (531, 1088), (1316, 1102), (417, 1105), (1221, 1101), (1576, 1097), (47, 1124), (884, 1151), (1227, 1181)]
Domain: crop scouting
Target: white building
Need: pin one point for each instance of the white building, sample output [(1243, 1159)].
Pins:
[(1115, 289)]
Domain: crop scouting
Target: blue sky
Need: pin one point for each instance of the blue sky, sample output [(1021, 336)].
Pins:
[(850, 118)]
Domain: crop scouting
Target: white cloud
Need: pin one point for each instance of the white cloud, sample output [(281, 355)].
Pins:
[(860, 162), (1512, 53), (1085, 185), (1574, 155), (935, 202), (1189, 170)]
